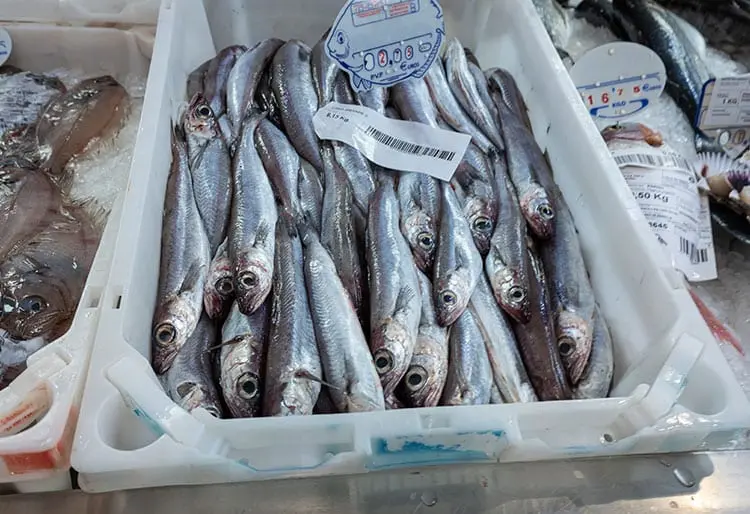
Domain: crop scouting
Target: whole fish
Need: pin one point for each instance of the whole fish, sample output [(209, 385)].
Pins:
[(218, 292), (28, 201), (507, 365), (310, 194), (244, 78), (282, 165), (413, 101), (252, 222), (457, 263), (503, 87), (23, 97), (185, 258), (189, 380), (449, 108), (337, 229), (91, 110), (242, 361), (507, 264), (425, 378), (395, 305), (42, 281), (571, 294), (469, 380), (293, 87), (474, 186), (347, 363), (525, 163), (419, 202), (324, 71), (210, 165), (376, 98), (216, 81), (597, 376), (538, 343), (293, 370), (465, 90)]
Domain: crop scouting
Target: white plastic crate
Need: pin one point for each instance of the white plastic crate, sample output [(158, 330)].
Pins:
[(672, 391), (50, 390)]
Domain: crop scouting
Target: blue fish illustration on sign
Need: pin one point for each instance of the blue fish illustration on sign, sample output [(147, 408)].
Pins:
[(383, 42)]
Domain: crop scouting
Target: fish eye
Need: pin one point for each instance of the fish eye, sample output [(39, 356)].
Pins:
[(224, 286), (248, 386), (516, 293), (248, 279), (482, 224), (383, 361), (165, 333), (545, 210), (416, 378), (566, 347), (448, 297), (426, 241), (32, 304), (204, 111), (184, 389)]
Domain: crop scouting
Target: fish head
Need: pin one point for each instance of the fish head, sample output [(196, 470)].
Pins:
[(512, 292), (37, 306), (391, 353), (192, 395), (538, 211), (218, 292), (253, 274), (174, 322), (240, 383), (574, 341), (338, 44), (481, 215), (452, 294), (298, 396), (200, 120), (421, 233), (425, 377)]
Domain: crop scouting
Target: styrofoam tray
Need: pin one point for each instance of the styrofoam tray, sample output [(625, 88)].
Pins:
[(672, 391), (39, 457)]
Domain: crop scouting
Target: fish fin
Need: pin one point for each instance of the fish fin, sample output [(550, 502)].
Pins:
[(301, 373), (192, 277), (405, 295), (262, 233)]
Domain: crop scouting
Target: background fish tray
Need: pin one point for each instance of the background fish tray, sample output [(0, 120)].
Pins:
[(673, 390), (50, 390)]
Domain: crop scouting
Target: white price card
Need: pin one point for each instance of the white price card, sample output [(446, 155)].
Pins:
[(383, 42), (725, 103), (394, 144), (618, 80)]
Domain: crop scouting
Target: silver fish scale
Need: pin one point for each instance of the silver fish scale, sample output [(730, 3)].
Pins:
[(293, 356), (343, 348), (282, 164), (295, 93)]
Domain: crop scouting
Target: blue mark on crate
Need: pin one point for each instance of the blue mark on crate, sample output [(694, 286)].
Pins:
[(437, 449)]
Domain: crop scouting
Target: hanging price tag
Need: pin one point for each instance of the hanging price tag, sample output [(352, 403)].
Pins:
[(618, 80)]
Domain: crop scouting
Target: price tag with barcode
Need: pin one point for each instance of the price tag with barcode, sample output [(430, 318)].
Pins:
[(665, 187), (394, 144)]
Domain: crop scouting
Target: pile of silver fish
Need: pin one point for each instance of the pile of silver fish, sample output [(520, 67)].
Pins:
[(297, 277), (47, 241)]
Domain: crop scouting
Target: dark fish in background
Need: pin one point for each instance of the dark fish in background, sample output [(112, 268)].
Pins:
[(23, 96), (91, 110)]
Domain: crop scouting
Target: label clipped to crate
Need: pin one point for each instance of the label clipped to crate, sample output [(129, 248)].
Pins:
[(6, 45), (618, 80), (395, 144), (383, 42), (665, 187)]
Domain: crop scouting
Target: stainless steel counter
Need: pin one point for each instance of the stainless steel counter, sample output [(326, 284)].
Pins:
[(715, 482)]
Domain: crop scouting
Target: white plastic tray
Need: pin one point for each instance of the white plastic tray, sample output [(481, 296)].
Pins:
[(673, 389), (38, 458)]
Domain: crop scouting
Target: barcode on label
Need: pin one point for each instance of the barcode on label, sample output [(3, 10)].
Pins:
[(697, 256), (666, 160), (407, 147)]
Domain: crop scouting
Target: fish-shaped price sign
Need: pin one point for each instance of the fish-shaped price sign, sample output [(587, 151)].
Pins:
[(383, 42)]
